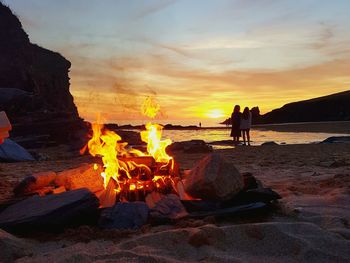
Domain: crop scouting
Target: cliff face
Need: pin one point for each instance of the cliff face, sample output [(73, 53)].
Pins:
[(335, 107), (32, 79), (34, 85)]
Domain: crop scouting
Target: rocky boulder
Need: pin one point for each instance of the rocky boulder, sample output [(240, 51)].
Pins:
[(51, 212), (214, 178), (34, 84)]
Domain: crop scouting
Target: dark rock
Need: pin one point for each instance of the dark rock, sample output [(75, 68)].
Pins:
[(12, 247), (193, 146), (168, 208), (11, 151), (271, 143), (337, 139), (124, 216), (250, 181), (214, 178), (131, 137), (51, 212)]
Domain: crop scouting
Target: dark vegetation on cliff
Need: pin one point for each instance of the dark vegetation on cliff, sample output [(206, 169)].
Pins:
[(34, 85), (334, 107)]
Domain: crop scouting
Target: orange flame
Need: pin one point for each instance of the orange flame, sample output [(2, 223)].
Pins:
[(109, 146), (155, 146)]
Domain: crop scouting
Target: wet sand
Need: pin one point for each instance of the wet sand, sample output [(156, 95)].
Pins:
[(342, 127), (311, 225)]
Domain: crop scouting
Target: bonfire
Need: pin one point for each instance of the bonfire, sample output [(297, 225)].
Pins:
[(130, 173)]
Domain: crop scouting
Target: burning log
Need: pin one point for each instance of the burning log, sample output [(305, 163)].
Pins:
[(140, 160), (85, 176), (108, 196), (35, 182)]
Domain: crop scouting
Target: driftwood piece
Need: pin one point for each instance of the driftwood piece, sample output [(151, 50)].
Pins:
[(34, 182), (107, 196), (51, 212), (84, 176)]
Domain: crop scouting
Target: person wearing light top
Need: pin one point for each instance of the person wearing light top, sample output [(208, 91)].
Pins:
[(246, 123)]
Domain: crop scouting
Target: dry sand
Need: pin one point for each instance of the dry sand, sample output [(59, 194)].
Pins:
[(312, 225)]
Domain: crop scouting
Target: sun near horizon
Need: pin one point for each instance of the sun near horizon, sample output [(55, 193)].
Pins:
[(198, 58)]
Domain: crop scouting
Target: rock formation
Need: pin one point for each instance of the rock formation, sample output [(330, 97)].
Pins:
[(34, 83)]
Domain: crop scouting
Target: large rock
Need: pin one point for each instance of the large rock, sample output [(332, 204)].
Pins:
[(192, 146), (214, 178), (13, 152), (124, 216), (12, 247), (51, 212)]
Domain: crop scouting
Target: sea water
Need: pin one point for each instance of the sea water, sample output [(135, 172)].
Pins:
[(257, 136)]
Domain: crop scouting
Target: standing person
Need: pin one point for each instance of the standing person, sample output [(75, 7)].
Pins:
[(246, 123), (236, 122)]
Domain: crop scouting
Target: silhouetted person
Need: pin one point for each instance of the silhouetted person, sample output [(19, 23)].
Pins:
[(200, 125), (236, 122), (246, 123)]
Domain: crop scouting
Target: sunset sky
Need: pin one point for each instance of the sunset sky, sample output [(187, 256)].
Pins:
[(197, 57)]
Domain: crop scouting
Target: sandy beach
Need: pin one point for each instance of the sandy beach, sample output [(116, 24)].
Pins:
[(310, 224)]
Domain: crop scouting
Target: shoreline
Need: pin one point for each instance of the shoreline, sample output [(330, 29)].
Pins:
[(340, 127)]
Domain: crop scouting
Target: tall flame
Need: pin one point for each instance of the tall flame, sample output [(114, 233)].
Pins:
[(155, 146)]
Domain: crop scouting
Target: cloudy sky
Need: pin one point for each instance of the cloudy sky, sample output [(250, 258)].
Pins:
[(197, 57)]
